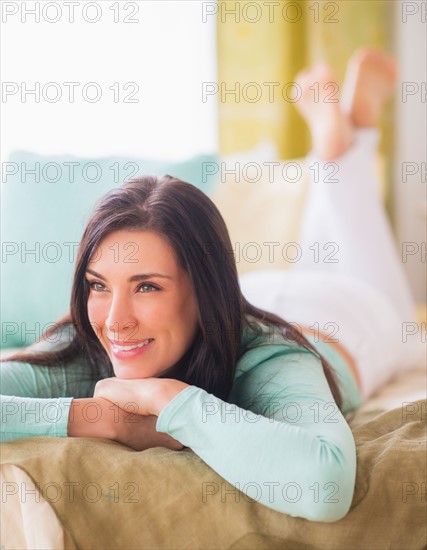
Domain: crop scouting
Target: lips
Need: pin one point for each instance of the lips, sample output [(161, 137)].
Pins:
[(132, 351), (128, 343), (131, 346)]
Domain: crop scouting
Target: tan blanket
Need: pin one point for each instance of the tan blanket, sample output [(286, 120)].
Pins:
[(109, 496)]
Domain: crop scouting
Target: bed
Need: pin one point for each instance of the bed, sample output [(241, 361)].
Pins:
[(82, 493), (75, 493)]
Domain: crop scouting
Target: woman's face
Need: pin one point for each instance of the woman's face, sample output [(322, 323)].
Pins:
[(139, 292)]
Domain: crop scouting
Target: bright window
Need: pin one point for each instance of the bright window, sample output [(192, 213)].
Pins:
[(137, 86)]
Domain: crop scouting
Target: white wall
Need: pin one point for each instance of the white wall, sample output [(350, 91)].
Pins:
[(168, 53), (411, 144)]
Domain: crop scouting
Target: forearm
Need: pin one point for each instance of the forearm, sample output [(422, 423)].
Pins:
[(92, 417), (269, 457), (98, 417)]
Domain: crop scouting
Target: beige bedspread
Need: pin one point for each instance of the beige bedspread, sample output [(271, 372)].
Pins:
[(106, 495)]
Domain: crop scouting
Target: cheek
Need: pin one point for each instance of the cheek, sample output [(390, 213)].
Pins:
[(97, 312), (188, 320)]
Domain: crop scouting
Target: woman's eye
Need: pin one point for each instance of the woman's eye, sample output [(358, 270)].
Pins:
[(148, 285), (98, 287), (92, 286)]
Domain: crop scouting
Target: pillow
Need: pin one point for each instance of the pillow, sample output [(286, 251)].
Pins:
[(261, 199), (43, 216)]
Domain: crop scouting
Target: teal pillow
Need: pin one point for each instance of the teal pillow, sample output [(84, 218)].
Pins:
[(46, 202)]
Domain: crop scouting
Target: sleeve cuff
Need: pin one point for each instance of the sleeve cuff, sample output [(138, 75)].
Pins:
[(30, 417), (172, 407), (61, 427)]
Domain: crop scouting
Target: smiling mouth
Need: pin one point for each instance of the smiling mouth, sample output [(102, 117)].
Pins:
[(130, 347)]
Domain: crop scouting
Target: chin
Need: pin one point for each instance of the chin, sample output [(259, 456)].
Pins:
[(131, 373), (128, 376), (127, 372)]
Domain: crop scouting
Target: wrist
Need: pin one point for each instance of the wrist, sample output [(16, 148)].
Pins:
[(167, 392), (92, 417)]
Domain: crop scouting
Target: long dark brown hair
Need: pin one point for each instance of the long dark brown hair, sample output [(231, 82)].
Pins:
[(193, 226)]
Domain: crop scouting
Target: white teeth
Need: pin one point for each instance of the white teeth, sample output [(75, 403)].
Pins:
[(128, 348)]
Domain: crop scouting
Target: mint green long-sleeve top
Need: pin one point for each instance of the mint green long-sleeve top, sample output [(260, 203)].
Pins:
[(279, 438)]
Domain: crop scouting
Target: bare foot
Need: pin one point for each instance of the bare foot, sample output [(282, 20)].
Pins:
[(331, 129), (371, 75)]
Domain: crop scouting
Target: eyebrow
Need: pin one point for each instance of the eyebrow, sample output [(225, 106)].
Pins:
[(140, 277)]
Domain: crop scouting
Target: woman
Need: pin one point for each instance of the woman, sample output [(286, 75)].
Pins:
[(161, 348)]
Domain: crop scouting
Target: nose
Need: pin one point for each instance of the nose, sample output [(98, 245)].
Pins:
[(121, 321)]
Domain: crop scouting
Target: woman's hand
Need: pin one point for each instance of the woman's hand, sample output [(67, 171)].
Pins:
[(143, 396)]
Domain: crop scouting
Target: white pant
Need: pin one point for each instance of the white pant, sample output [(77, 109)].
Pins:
[(355, 288)]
